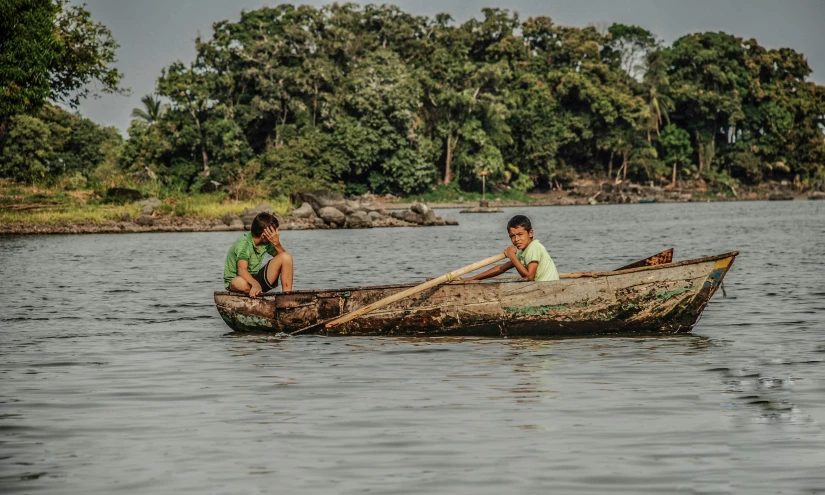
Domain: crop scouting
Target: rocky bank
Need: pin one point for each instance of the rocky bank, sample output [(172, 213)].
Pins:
[(327, 210), (318, 210)]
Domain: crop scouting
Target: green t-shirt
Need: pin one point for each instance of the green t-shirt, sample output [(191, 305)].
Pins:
[(536, 252), (244, 249)]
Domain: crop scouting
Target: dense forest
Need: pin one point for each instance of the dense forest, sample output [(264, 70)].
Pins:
[(375, 99)]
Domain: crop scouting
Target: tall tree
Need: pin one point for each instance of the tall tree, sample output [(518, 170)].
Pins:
[(27, 154), (677, 149), (630, 46), (655, 85), (188, 88), (708, 77), (50, 50)]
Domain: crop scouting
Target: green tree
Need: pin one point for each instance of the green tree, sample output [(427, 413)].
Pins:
[(708, 78), (655, 87), (189, 90), (784, 117), (27, 154), (677, 149), (378, 138), (630, 45), (374, 98), (79, 144), (50, 50)]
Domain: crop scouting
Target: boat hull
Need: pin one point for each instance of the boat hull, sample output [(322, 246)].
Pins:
[(660, 299)]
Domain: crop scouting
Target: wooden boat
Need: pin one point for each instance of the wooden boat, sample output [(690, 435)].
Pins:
[(653, 296)]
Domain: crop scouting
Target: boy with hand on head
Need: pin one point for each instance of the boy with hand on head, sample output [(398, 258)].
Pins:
[(242, 271), (531, 260)]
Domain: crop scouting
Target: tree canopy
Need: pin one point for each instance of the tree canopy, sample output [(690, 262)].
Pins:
[(52, 51), (376, 99)]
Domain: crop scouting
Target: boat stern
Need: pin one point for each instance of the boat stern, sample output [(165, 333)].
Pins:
[(244, 314)]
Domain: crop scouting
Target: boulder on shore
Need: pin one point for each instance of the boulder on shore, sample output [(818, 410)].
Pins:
[(359, 220), (211, 186), (249, 214), (145, 220), (430, 218), (375, 216), (303, 211), (326, 209), (319, 200), (420, 214), (420, 208), (233, 222), (408, 216), (332, 215)]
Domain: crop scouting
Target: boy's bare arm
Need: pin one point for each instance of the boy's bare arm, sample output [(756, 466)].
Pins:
[(243, 272), (532, 268), (492, 272), (528, 272)]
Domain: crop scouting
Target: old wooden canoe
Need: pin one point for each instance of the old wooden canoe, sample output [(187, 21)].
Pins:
[(663, 298)]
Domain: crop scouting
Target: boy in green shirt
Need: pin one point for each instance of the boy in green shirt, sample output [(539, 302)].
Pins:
[(531, 261), (242, 270)]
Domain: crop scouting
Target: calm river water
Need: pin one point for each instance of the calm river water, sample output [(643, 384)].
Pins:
[(118, 376)]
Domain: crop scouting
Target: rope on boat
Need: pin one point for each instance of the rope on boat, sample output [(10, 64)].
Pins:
[(449, 277), (724, 292)]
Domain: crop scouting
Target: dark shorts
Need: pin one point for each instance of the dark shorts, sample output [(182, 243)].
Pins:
[(261, 278)]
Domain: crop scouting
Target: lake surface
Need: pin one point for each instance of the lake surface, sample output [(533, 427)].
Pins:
[(118, 376)]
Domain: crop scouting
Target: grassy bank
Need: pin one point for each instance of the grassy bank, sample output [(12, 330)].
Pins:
[(53, 205), (39, 205)]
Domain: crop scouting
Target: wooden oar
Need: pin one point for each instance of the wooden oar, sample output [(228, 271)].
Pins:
[(444, 279)]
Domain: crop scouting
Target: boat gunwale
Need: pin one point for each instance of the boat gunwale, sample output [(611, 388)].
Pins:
[(563, 276)]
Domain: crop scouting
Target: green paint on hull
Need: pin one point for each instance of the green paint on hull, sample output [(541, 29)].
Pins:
[(662, 296), (535, 310), (608, 315), (249, 322)]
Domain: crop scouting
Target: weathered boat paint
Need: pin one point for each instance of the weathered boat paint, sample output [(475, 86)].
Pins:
[(656, 299), (662, 258)]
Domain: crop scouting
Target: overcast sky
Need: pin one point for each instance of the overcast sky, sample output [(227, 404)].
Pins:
[(154, 33)]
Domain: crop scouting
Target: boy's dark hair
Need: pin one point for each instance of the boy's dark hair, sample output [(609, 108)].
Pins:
[(519, 221), (261, 222)]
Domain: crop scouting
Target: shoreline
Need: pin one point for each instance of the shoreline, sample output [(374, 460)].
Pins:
[(163, 224), (374, 211), (195, 224)]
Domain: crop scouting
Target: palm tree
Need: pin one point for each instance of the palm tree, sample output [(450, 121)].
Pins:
[(659, 103), (659, 106), (152, 112)]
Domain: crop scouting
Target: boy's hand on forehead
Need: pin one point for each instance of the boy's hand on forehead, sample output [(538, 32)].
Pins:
[(271, 235)]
